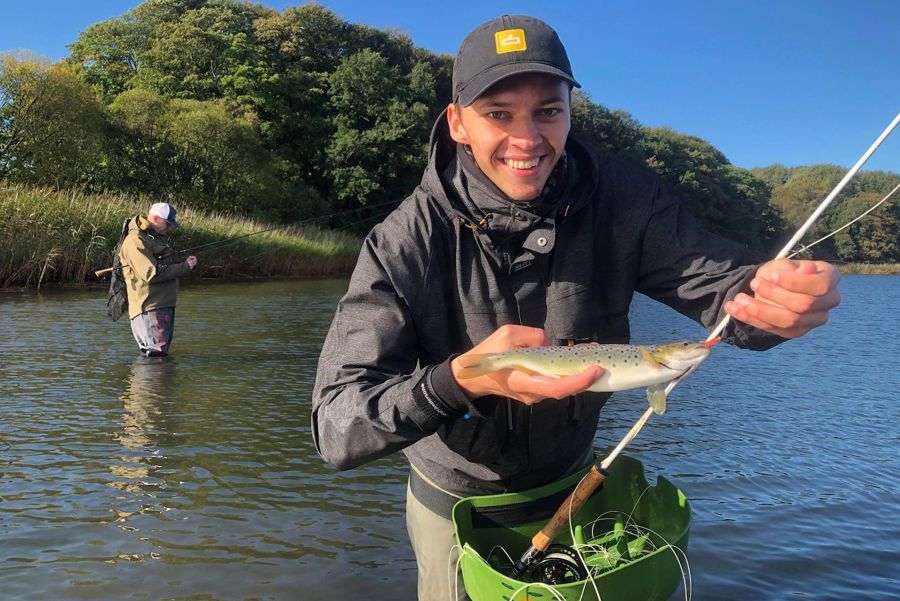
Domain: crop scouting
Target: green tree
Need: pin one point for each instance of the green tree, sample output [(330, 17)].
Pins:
[(108, 54), (51, 125), (609, 132), (873, 239), (220, 162), (208, 53), (380, 132), (728, 200), (142, 158)]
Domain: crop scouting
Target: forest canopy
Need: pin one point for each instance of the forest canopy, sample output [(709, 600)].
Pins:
[(289, 115)]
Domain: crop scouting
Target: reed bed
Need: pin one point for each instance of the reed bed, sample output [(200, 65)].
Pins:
[(61, 237), (870, 268)]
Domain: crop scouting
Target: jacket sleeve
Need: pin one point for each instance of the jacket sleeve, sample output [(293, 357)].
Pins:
[(147, 267), (695, 271), (371, 396)]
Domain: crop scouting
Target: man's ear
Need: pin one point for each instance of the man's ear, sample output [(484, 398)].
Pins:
[(454, 120)]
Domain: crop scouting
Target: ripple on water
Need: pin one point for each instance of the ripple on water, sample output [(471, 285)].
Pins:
[(129, 479)]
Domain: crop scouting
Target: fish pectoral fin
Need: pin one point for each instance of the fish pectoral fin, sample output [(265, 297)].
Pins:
[(657, 396), (473, 366)]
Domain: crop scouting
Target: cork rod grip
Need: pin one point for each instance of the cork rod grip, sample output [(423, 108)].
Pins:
[(570, 506)]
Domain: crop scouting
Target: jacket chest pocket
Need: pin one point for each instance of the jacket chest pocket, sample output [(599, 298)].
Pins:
[(577, 317)]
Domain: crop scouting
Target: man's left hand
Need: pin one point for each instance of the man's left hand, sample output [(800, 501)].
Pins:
[(789, 297)]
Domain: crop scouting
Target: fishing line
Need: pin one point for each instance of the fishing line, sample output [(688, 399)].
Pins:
[(244, 259), (805, 247), (597, 473), (226, 241), (821, 208), (781, 254)]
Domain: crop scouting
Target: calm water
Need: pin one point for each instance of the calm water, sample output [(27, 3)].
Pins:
[(197, 478)]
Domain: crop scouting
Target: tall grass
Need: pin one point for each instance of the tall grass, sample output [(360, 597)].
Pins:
[(870, 268), (48, 236)]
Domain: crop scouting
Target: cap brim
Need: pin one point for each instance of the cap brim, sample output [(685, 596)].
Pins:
[(479, 84)]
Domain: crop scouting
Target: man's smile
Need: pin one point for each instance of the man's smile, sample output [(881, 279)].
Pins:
[(522, 164)]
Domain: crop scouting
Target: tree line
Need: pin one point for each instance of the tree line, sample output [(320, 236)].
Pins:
[(288, 115)]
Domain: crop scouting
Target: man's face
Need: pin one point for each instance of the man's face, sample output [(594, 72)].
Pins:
[(159, 225), (517, 131)]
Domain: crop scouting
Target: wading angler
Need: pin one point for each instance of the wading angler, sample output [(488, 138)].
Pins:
[(150, 270)]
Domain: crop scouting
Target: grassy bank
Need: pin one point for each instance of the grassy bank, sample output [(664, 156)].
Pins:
[(870, 269), (52, 237)]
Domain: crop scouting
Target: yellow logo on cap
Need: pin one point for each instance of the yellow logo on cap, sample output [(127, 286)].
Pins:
[(510, 40)]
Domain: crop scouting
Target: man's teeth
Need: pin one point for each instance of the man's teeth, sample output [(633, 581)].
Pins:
[(523, 164)]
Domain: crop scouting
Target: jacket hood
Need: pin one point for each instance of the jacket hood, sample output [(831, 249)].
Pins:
[(580, 179)]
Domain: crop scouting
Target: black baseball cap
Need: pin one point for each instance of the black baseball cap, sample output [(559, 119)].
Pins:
[(503, 47)]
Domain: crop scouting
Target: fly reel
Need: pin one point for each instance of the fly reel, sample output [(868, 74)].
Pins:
[(559, 565)]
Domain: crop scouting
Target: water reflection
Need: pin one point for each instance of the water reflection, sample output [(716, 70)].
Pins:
[(197, 478), (143, 421)]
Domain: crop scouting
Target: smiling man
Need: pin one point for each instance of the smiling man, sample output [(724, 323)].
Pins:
[(516, 131), (519, 236)]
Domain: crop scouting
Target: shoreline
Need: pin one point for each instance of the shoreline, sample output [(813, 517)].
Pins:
[(61, 287), (59, 239)]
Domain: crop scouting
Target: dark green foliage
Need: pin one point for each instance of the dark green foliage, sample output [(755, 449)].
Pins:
[(52, 130), (873, 239), (609, 132), (729, 200), (290, 115)]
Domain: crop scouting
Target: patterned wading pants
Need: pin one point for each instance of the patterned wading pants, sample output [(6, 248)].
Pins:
[(153, 331)]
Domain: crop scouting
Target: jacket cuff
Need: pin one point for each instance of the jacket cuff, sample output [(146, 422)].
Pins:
[(438, 395)]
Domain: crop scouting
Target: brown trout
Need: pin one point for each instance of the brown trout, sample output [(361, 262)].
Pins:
[(624, 365)]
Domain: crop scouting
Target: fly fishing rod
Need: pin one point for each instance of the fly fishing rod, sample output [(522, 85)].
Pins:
[(217, 244), (599, 471)]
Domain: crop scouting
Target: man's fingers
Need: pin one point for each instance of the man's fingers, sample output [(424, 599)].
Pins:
[(773, 318), (777, 295), (510, 337), (815, 278)]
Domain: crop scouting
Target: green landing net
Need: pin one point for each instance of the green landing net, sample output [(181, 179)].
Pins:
[(632, 536)]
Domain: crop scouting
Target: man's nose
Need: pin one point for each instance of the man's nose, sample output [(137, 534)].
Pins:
[(525, 134)]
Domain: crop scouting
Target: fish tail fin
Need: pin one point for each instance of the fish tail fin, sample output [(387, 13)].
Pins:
[(657, 397), (474, 366)]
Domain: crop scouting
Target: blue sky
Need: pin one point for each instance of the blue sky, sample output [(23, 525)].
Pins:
[(795, 82)]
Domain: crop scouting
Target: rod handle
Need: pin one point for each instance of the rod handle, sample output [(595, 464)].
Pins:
[(103, 272), (593, 479)]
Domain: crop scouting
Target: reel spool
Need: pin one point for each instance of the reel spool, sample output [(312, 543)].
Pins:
[(559, 565)]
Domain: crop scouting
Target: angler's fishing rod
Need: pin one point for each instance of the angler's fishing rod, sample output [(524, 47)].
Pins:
[(226, 241), (599, 471)]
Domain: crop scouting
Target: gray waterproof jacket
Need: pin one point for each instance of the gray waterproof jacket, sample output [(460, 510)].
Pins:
[(440, 274)]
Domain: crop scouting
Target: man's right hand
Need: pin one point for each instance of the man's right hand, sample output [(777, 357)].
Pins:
[(528, 389), (191, 261)]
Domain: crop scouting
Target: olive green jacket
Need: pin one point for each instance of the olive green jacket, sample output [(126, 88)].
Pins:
[(150, 267)]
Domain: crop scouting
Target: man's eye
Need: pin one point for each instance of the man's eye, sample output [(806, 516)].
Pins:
[(497, 115), (550, 112)]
